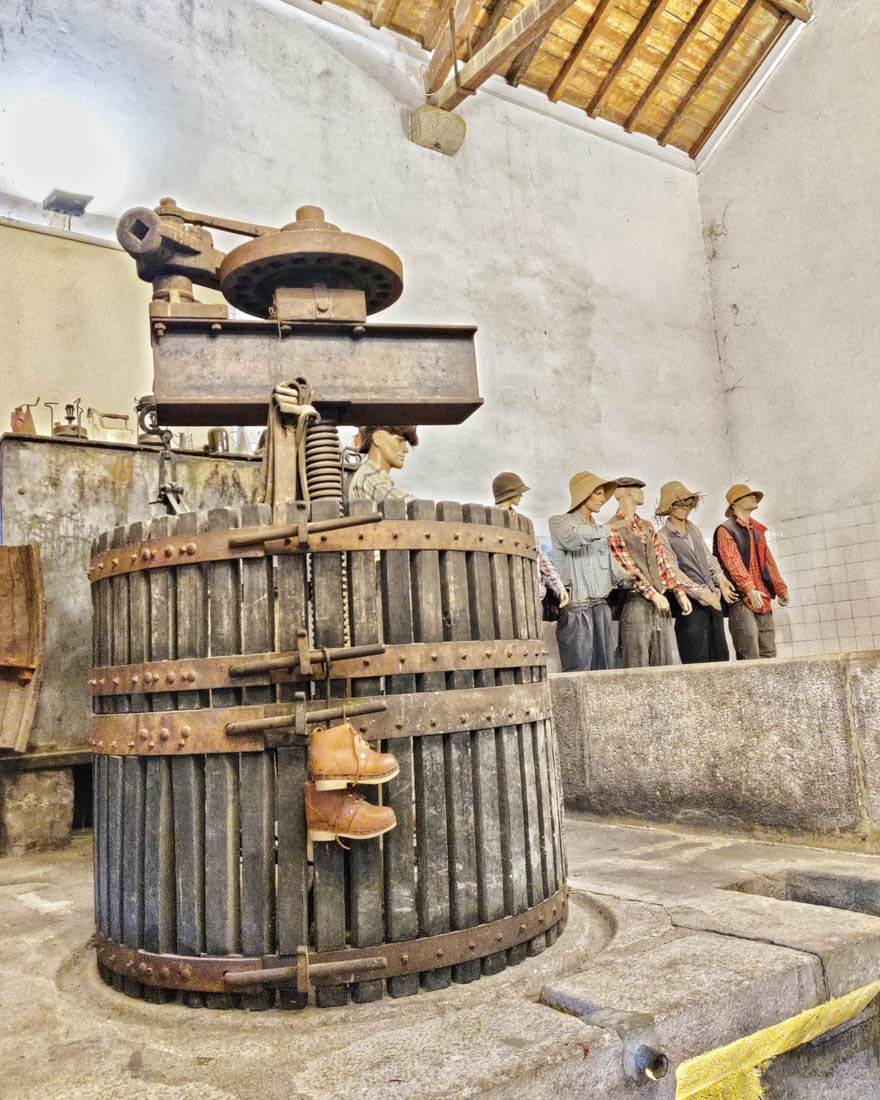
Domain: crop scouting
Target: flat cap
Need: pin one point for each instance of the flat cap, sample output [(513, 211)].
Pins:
[(629, 483)]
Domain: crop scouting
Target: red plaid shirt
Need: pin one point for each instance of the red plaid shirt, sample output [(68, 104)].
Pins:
[(749, 579), (643, 529)]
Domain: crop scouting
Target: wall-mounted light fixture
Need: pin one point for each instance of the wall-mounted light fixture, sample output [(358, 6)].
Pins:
[(64, 205)]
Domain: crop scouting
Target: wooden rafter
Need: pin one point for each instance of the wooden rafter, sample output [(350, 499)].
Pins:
[(721, 51), (382, 12), (684, 40), (499, 51), (439, 24), (646, 24), (570, 67), (522, 61), (794, 8), (496, 13), (463, 15), (785, 19)]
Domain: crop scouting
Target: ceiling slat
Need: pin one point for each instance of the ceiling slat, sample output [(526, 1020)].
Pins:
[(522, 61), (570, 66), (785, 21), (499, 51), (463, 14), (686, 37), (650, 16), (496, 13), (794, 8), (721, 51), (382, 12), (439, 24)]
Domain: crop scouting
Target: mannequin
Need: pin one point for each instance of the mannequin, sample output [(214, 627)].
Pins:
[(386, 449), (584, 562), (741, 547), (644, 637), (700, 635), (508, 490)]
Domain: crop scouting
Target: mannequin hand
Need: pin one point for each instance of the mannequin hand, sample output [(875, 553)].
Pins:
[(661, 603), (783, 601), (684, 603), (728, 591), (713, 601), (755, 600), (564, 599)]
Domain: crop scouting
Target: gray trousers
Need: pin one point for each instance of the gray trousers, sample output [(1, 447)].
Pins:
[(645, 634), (583, 635), (752, 632)]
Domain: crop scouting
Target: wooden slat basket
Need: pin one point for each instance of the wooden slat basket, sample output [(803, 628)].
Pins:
[(206, 890)]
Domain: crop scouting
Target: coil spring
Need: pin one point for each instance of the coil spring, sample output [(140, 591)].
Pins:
[(323, 461)]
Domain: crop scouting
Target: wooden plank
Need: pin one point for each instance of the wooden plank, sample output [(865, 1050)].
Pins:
[(365, 858), (499, 51), (100, 652), (509, 779), (687, 36), (291, 615), (487, 821), (329, 894), (438, 26), (496, 12), (22, 642), (114, 642), (650, 17), (464, 14), (401, 920), (721, 51), (784, 22), (588, 35), (257, 770), (794, 9), (187, 773), (382, 12), (160, 903), (222, 812), (463, 893), (432, 898), (523, 60)]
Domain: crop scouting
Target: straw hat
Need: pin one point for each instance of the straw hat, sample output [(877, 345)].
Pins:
[(737, 492), (584, 484), (671, 492), (506, 486)]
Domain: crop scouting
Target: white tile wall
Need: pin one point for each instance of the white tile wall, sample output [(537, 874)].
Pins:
[(831, 564)]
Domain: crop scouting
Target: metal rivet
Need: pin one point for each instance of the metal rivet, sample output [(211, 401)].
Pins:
[(101, 681), (100, 565), (440, 952), (501, 538), (163, 734), (456, 537), (479, 538), (401, 660), (114, 562), (472, 947), (168, 551), (113, 746), (499, 938), (189, 677), (151, 744), (145, 554), (164, 973), (462, 718), (398, 725), (185, 972), (216, 327), (404, 959), (190, 548), (116, 681), (170, 677), (143, 734), (510, 653), (362, 729), (366, 662), (540, 920), (522, 928), (323, 538), (433, 722), (433, 656), (93, 683), (395, 534), (488, 652), (132, 557), (516, 542), (131, 744), (554, 912), (462, 656), (181, 744), (99, 745), (134, 679), (360, 538), (185, 731)]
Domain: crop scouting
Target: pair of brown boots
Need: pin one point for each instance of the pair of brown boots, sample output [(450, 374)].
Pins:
[(339, 756)]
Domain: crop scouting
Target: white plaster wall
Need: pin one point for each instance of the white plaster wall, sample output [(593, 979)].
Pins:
[(792, 225), (582, 262)]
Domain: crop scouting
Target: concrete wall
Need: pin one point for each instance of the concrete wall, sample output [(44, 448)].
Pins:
[(791, 223), (788, 745), (581, 261)]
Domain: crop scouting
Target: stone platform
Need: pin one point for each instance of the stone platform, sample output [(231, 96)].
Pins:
[(710, 938)]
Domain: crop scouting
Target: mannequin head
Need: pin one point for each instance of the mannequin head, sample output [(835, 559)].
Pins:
[(744, 507), (592, 504), (681, 509), (742, 501), (387, 446), (629, 497), (511, 502)]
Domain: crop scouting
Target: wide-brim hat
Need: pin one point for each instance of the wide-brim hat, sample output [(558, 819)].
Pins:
[(671, 492), (737, 492), (507, 485), (584, 484)]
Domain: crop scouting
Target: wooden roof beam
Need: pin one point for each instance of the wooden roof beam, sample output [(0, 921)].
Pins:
[(440, 24), (463, 15), (534, 19), (721, 51), (650, 17), (785, 21), (794, 8), (382, 12), (521, 62), (684, 40), (588, 34), (497, 11)]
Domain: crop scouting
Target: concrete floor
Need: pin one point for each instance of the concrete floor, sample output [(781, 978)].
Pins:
[(673, 924)]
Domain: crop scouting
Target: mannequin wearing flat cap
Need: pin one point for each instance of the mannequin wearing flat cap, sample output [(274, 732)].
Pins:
[(508, 490), (644, 635), (700, 635), (740, 545), (584, 561), (386, 449)]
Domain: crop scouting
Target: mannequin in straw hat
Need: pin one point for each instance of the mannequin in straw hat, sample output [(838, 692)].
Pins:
[(508, 490), (583, 560), (645, 636), (700, 635), (740, 545)]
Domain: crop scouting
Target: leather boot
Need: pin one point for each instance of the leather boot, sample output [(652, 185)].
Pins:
[(339, 756), (334, 814)]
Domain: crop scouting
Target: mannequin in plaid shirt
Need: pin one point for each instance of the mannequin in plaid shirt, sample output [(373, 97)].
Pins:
[(644, 637)]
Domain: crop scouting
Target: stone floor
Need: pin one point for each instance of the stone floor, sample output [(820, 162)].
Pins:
[(711, 937)]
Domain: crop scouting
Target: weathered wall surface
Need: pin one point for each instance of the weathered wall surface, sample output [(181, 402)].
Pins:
[(788, 744), (582, 262), (791, 221)]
